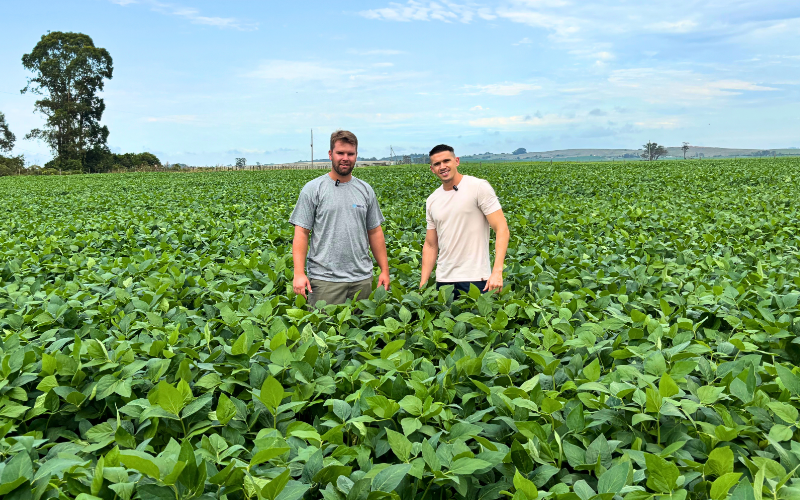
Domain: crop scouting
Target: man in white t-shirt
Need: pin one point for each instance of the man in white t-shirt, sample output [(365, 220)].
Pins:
[(459, 215)]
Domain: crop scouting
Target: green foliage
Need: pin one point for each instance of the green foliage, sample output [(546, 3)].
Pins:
[(69, 72), (10, 165), (653, 151), (100, 159), (7, 137), (645, 345)]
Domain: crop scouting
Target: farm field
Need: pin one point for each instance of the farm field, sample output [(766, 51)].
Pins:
[(645, 345)]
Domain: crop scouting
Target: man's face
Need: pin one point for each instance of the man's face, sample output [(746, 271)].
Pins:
[(445, 165), (343, 157)]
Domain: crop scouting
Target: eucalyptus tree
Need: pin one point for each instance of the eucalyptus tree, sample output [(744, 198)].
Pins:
[(69, 72), (7, 137)]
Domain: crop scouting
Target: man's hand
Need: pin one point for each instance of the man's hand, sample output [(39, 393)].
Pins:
[(300, 283), (495, 282), (422, 283), (384, 280)]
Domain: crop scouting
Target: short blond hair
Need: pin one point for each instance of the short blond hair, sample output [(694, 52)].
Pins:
[(344, 136)]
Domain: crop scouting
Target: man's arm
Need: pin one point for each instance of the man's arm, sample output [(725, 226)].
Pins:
[(498, 223), (377, 242), (299, 253), (430, 250)]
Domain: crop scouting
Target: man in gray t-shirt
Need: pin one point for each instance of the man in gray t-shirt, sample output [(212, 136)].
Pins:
[(342, 217)]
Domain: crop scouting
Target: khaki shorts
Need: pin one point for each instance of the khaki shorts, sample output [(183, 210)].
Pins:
[(338, 293)]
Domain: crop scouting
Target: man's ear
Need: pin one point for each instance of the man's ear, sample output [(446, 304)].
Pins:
[(330, 155)]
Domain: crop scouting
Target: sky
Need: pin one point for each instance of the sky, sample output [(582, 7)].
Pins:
[(205, 82)]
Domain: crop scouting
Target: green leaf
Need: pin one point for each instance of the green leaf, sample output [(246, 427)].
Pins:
[(614, 479), (17, 471), (294, 490), (271, 393), (526, 486), (575, 419), (169, 398), (667, 387), (267, 454), (226, 410), (709, 394), (330, 473), (400, 445), (140, 461), (789, 379), (389, 478), (275, 486), (662, 476), (785, 411), (468, 465), (97, 480), (430, 457), (721, 485), (720, 462)]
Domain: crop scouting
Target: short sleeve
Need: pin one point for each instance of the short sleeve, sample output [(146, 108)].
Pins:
[(487, 200), (374, 216), (429, 217), (305, 210)]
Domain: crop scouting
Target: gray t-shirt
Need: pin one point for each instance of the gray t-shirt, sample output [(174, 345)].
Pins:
[(339, 218)]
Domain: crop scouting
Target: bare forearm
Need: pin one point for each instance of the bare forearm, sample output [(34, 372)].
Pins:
[(500, 248), (429, 254), (299, 253), (377, 242)]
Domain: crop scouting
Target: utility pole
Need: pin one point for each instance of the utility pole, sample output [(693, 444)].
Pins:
[(312, 149)]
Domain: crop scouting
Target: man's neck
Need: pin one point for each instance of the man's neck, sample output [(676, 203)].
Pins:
[(333, 175), (455, 181)]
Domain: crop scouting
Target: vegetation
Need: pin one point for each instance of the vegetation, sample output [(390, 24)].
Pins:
[(653, 151), (69, 71), (8, 164), (645, 345)]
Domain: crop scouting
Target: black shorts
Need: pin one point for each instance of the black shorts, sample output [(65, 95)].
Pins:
[(462, 286)]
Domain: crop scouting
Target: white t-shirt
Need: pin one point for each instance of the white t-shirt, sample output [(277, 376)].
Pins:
[(459, 218)]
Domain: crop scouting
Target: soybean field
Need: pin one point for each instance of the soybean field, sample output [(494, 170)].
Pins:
[(644, 347)]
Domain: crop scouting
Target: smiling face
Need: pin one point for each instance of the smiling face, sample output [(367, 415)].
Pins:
[(343, 157), (445, 166)]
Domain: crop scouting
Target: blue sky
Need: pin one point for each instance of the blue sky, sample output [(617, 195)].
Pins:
[(205, 82)]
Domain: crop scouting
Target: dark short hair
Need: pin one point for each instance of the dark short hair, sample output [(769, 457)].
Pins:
[(345, 136), (441, 148)]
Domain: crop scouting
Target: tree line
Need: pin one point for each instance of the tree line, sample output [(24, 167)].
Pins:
[(69, 72)]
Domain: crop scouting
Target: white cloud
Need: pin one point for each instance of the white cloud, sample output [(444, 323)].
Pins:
[(182, 119), (563, 26), (377, 52), (675, 85), (684, 26), (659, 124), (413, 10), (192, 15), (504, 89), (278, 69), (520, 121), (524, 41), (478, 108)]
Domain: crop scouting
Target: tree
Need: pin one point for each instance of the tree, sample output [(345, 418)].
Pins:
[(7, 138), (519, 151), (653, 151), (685, 149), (69, 71)]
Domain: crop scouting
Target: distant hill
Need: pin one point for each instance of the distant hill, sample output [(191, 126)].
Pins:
[(628, 154), (609, 154)]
